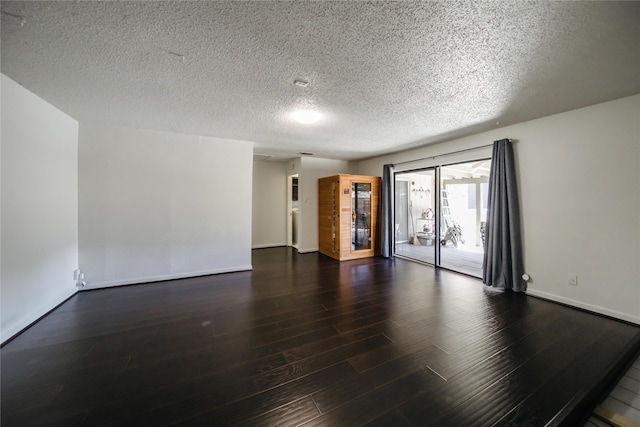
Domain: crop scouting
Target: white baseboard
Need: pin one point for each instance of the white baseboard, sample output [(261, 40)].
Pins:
[(162, 278), (34, 316), (585, 306), (306, 251), (268, 245)]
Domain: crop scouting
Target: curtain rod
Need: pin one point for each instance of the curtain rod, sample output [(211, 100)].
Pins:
[(447, 154)]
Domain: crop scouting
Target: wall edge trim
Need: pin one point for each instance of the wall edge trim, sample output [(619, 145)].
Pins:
[(268, 245), (585, 306), (165, 277), (16, 330), (306, 251)]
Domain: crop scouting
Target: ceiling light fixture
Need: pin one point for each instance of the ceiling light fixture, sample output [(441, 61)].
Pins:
[(306, 117), (301, 83)]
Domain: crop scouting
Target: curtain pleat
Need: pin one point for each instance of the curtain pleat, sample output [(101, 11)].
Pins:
[(503, 261)]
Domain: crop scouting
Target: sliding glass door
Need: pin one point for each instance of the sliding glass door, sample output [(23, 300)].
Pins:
[(415, 236), (449, 233), (463, 198)]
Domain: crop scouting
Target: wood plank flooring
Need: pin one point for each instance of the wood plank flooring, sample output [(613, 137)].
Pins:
[(307, 340)]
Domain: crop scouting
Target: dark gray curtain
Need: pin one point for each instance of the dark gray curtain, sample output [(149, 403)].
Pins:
[(386, 206), (503, 265)]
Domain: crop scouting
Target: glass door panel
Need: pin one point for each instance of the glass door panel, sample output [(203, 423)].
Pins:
[(414, 221), (463, 199)]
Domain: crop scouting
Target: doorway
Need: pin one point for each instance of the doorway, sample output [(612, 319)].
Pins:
[(292, 210)]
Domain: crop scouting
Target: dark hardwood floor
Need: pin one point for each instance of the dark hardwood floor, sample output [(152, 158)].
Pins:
[(307, 340)]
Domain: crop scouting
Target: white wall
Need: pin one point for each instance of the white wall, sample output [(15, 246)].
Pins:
[(39, 219), (309, 169), (269, 218), (158, 205), (579, 181)]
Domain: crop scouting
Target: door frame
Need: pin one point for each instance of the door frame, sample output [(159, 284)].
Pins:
[(437, 167), (290, 207)]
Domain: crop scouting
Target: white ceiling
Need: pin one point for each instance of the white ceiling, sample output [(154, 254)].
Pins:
[(386, 76)]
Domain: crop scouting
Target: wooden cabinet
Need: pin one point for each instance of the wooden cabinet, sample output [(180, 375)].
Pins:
[(348, 216)]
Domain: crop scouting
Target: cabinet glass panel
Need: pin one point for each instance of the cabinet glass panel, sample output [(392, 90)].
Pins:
[(360, 216)]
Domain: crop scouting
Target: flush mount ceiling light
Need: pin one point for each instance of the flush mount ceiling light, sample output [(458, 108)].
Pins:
[(301, 83), (306, 117)]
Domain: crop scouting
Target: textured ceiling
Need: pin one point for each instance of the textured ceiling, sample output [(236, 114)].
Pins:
[(386, 76)]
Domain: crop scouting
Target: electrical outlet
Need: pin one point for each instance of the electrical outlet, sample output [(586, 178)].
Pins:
[(573, 279)]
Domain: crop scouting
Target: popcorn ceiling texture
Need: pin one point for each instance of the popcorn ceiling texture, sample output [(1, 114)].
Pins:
[(385, 75)]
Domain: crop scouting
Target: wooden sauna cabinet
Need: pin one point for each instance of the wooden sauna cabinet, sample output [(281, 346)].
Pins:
[(348, 216)]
